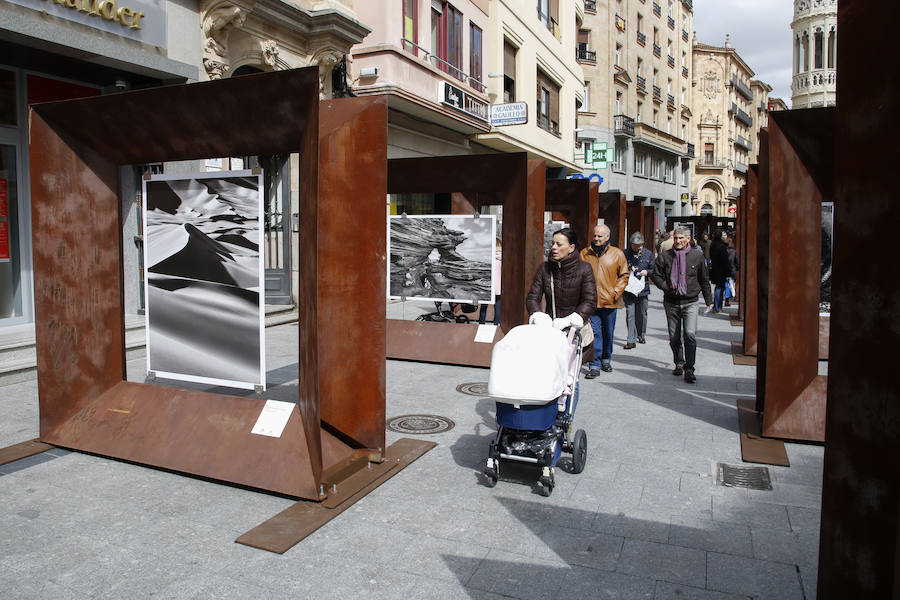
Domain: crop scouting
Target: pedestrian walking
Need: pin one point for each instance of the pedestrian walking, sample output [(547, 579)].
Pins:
[(734, 261), (704, 245), (611, 275), (640, 264), (719, 267), (682, 276)]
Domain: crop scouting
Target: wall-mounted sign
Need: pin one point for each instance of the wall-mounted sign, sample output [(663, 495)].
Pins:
[(4, 221), (598, 155), (141, 20), (685, 197), (463, 101), (512, 113)]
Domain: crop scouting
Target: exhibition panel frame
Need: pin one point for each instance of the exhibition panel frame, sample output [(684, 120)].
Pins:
[(77, 149)]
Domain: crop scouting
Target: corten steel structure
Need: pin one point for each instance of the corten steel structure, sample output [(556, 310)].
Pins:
[(800, 165), (649, 229), (85, 402), (508, 180), (577, 201), (634, 220), (859, 552), (612, 211), (749, 301)]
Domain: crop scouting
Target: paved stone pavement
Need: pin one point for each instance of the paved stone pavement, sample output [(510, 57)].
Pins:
[(644, 520)]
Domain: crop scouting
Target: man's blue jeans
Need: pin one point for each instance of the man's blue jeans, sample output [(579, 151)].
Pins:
[(603, 322), (682, 321)]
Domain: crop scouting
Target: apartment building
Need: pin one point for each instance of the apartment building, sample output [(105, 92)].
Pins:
[(728, 113), (637, 61), (815, 53)]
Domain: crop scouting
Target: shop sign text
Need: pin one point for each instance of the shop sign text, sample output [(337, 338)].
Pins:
[(463, 101)]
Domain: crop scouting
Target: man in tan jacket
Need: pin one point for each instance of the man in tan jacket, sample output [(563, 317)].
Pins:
[(611, 274)]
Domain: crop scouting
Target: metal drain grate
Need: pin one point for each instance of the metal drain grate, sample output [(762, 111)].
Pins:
[(473, 389), (420, 424), (754, 478)]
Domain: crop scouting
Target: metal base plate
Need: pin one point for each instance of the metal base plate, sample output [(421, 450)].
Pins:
[(738, 356), (23, 450), (754, 447)]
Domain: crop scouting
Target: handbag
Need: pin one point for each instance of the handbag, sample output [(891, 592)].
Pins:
[(729, 288), (635, 284), (586, 331)]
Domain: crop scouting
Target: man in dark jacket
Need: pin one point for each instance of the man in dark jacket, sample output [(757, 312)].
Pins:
[(682, 276)]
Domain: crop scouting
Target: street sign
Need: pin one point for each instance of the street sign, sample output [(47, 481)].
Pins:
[(512, 113)]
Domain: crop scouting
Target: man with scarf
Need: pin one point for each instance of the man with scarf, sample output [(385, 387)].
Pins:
[(611, 274), (681, 274)]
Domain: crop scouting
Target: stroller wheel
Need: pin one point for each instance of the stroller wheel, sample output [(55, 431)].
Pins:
[(579, 451)]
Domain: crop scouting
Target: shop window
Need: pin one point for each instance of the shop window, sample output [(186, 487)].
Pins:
[(547, 103), (8, 98), (509, 72)]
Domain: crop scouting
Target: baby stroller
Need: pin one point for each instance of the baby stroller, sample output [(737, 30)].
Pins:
[(534, 378)]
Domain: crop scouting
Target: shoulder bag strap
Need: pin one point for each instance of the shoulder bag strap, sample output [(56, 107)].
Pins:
[(552, 295)]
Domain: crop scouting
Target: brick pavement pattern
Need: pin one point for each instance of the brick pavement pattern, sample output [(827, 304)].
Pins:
[(644, 520)]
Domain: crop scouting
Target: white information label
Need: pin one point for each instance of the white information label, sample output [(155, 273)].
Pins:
[(273, 418), (485, 334)]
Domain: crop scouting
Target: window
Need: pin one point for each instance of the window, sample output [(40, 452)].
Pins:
[(683, 96), (670, 172), (586, 107), (637, 117), (669, 125), (669, 86), (831, 41), (548, 13), (618, 55), (547, 103), (410, 25), (683, 130), (509, 72), (640, 24), (671, 8), (683, 58), (819, 49), (475, 57), (685, 170), (655, 116), (640, 166), (655, 77), (706, 209), (447, 38), (620, 157), (640, 67), (708, 153), (655, 168)]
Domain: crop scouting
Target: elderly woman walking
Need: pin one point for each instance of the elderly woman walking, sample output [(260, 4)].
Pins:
[(640, 262)]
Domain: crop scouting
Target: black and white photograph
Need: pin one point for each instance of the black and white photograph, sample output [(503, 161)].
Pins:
[(550, 227), (204, 278), (827, 253), (441, 257)]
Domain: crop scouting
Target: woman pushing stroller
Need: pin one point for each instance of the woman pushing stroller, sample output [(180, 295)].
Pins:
[(565, 282)]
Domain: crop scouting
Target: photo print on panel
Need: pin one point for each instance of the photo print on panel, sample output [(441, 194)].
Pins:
[(442, 257), (204, 278)]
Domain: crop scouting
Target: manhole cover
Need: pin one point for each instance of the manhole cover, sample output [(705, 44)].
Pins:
[(754, 478), (420, 424), (473, 389)]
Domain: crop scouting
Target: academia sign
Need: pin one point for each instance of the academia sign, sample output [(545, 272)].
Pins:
[(141, 20), (513, 113)]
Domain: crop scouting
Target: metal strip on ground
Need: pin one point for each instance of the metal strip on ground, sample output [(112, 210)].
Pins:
[(23, 450), (283, 531), (754, 447), (739, 358)]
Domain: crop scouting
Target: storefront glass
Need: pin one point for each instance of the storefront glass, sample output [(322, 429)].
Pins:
[(10, 280)]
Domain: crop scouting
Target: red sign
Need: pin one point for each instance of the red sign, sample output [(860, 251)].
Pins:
[(732, 210), (4, 222)]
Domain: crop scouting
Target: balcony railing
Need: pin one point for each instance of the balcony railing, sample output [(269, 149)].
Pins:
[(690, 150), (657, 93), (684, 71), (743, 143), (670, 99), (742, 88), (710, 164), (624, 125), (657, 51), (641, 38), (671, 23), (657, 9), (590, 6), (685, 35), (740, 115), (642, 84), (688, 3), (740, 167), (585, 55), (671, 60), (442, 64), (620, 23)]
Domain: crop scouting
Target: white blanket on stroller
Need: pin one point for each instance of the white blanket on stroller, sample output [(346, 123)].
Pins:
[(530, 365)]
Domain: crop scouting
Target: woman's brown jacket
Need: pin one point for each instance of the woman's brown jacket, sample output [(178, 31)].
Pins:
[(573, 282)]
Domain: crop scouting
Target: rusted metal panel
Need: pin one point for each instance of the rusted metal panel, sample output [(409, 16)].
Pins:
[(762, 269), (859, 551), (749, 241), (634, 220), (347, 237), (612, 210), (76, 148), (478, 180), (650, 228), (794, 391), (572, 198)]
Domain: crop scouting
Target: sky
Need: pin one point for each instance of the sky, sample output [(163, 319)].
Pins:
[(760, 33)]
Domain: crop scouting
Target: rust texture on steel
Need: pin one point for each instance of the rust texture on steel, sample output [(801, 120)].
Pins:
[(475, 181), (23, 450), (762, 268), (859, 551), (573, 198), (738, 357), (634, 221), (650, 228), (77, 147), (349, 297), (748, 276), (283, 531), (794, 391), (612, 210)]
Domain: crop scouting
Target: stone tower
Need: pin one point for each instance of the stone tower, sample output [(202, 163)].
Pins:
[(815, 53)]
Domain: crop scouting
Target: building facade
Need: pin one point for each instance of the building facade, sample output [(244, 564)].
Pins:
[(729, 109), (636, 56), (814, 27)]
